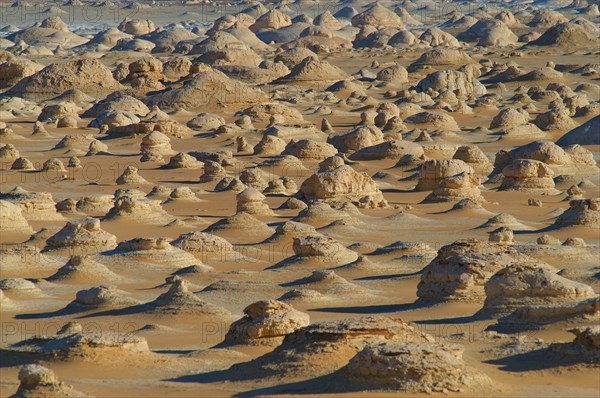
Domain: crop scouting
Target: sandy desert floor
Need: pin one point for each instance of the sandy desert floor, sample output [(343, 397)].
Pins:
[(300, 199)]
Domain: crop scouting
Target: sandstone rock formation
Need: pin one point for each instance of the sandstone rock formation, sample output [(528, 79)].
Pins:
[(416, 367), (335, 180), (527, 175), (455, 188), (432, 172), (461, 270), (250, 201), (12, 220), (130, 176), (87, 75), (530, 284), (84, 235), (584, 212), (266, 323), (38, 381), (34, 205)]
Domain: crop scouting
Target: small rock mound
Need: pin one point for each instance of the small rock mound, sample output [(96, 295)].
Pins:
[(131, 177), (441, 57), (461, 269), (138, 210), (101, 297), (335, 180), (573, 159), (151, 252), (85, 235), (87, 75), (378, 16), (38, 381), (73, 342), (416, 367), (289, 230), (202, 243), (462, 84), (183, 161), (581, 212), (83, 269), (309, 149), (320, 249), (179, 300), (325, 347), (266, 323), (12, 220), (522, 285), (35, 206), (585, 347), (566, 35), (328, 283), (241, 222), (313, 69)]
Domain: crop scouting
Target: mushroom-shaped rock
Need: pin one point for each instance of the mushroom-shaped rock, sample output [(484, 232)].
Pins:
[(527, 175), (432, 172), (154, 146), (474, 157), (322, 249), (335, 180), (250, 200), (313, 69), (253, 177), (461, 186), (213, 171)]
